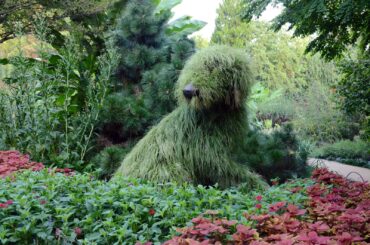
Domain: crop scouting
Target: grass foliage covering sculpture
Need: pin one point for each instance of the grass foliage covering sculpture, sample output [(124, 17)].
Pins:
[(198, 141)]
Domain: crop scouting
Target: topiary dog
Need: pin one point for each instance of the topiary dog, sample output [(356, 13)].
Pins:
[(197, 142)]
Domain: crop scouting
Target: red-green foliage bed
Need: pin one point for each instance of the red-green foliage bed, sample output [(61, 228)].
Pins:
[(337, 212), (14, 161), (43, 207)]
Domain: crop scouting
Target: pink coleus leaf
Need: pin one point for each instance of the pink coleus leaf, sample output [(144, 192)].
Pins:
[(294, 210)]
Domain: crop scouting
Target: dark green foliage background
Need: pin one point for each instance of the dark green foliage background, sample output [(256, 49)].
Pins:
[(277, 155), (354, 90), (109, 159)]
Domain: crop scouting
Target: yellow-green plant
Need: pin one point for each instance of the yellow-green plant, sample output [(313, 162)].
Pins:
[(196, 142)]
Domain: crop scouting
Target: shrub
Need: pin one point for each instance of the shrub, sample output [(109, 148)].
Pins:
[(314, 114), (53, 208), (355, 152), (109, 160), (123, 117), (276, 154)]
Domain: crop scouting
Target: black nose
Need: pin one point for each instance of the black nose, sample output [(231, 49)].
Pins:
[(190, 91)]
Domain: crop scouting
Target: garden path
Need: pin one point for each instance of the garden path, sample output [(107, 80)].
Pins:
[(345, 170)]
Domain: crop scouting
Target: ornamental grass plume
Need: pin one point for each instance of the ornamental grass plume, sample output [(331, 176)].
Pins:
[(198, 141)]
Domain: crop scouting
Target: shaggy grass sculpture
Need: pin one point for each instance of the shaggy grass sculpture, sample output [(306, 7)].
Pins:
[(197, 141)]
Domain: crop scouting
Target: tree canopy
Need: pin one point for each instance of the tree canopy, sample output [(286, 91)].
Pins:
[(334, 24), (279, 60), (22, 14)]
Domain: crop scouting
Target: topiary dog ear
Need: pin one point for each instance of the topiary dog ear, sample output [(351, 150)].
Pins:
[(233, 97)]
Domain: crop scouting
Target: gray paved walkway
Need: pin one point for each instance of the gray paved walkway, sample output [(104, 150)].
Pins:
[(343, 169)]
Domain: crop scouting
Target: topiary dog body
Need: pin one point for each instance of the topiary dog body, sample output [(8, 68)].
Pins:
[(197, 142)]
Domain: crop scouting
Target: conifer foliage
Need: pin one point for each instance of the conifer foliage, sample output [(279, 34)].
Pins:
[(150, 65), (153, 52), (152, 60)]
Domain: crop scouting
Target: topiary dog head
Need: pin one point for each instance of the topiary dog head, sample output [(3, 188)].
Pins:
[(214, 77)]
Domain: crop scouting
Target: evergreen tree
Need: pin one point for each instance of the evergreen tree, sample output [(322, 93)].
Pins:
[(158, 83), (139, 36), (149, 68)]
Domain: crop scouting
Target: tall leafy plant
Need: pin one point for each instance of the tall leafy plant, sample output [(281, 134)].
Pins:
[(51, 104)]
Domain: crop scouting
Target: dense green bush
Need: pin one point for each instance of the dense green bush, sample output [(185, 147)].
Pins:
[(123, 117), (108, 160), (354, 91), (355, 152), (273, 148), (314, 113), (48, 208), (276, 154)]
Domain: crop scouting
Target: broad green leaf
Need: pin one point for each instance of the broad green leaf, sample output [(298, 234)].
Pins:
[(93, 236), (156, 2), (165, 5), (184, 26)]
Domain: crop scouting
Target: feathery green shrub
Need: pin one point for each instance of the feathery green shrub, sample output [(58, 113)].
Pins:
[(195, 143)]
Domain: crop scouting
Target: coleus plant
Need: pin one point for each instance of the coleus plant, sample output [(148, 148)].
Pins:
[(337, 212), (13, 161)]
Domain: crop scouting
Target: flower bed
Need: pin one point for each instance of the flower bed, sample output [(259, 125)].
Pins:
[(337, 212), (47, 207), (13, 161)]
